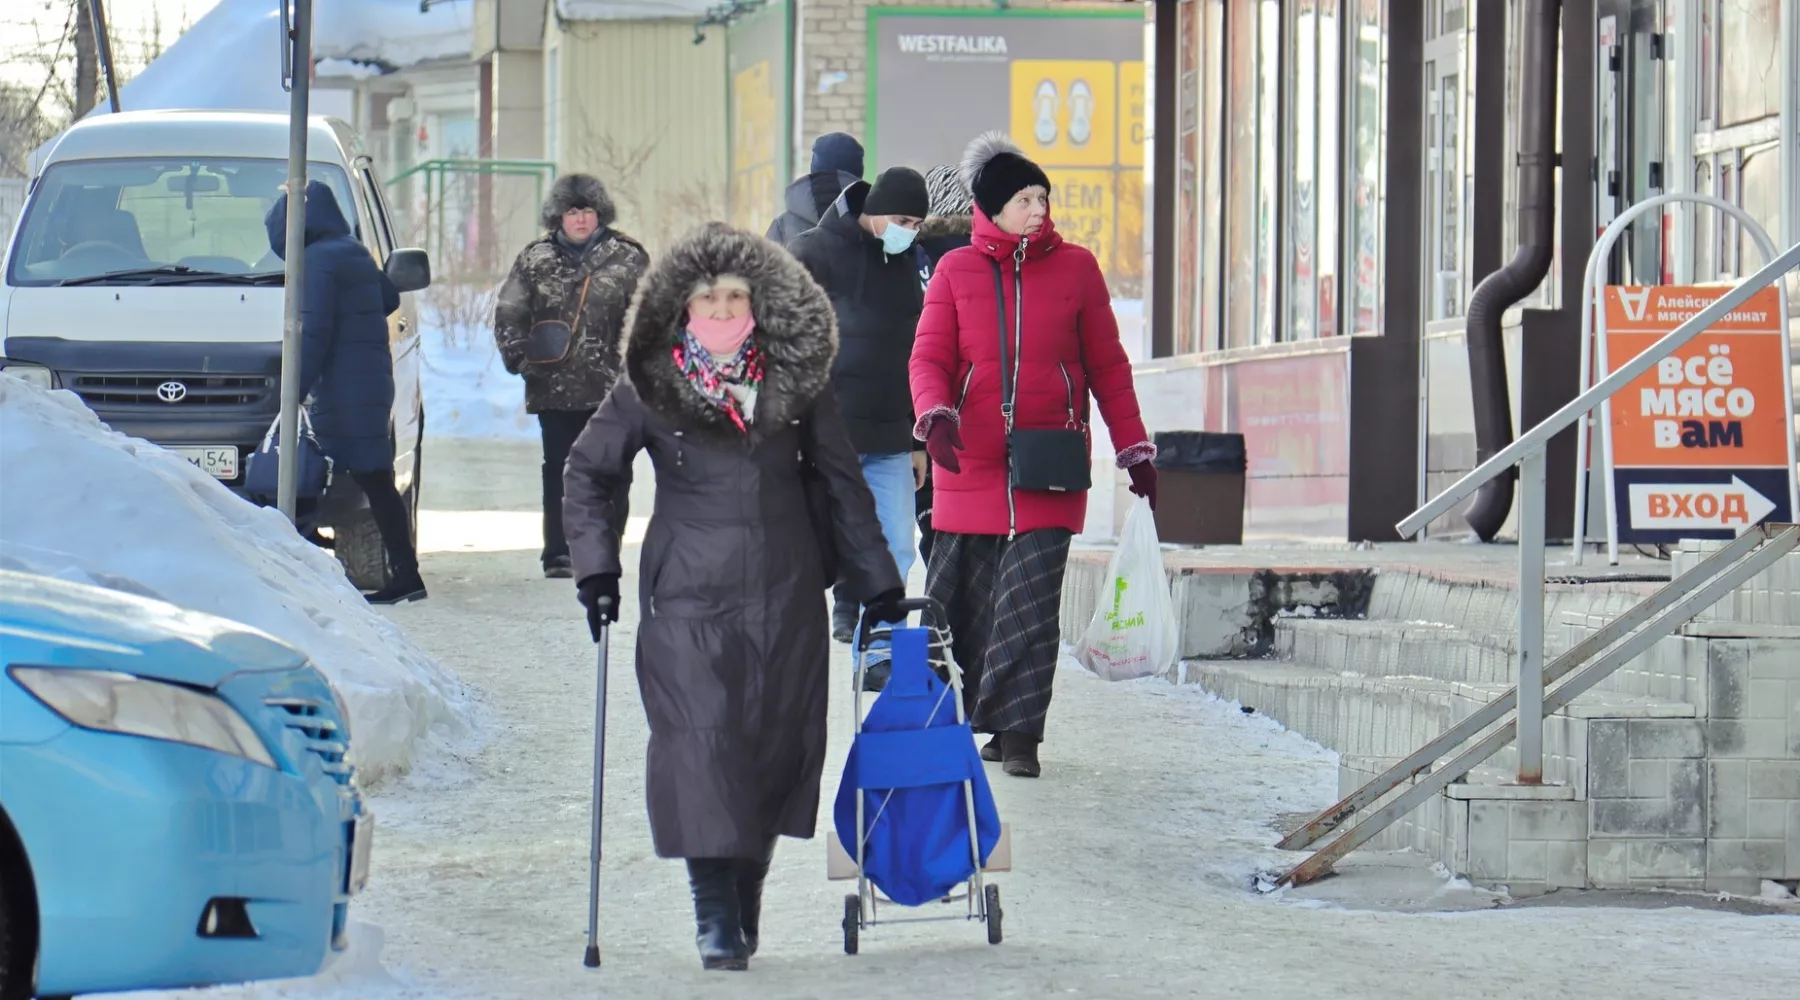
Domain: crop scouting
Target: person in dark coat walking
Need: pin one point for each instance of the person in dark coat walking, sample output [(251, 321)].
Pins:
[(347, 366), (998, 559), (862, 255), (948, 227), (581, 272), (728, 368), (837, 163)]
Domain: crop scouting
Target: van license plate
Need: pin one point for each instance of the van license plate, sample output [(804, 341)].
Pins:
[(219, 463)]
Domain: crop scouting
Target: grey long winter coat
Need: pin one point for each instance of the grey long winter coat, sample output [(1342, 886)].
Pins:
[(733, 644)]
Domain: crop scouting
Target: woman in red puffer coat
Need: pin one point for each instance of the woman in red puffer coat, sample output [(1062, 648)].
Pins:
[(998, 558)]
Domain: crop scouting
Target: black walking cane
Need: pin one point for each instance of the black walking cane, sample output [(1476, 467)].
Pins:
[(592, 959)]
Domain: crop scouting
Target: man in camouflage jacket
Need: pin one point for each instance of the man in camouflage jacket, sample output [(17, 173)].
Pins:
[(579, 248)]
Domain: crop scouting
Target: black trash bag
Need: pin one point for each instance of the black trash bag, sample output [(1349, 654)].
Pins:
[(1200, 451)]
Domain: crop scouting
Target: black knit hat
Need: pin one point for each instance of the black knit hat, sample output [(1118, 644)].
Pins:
[(995, 169), (898, 191)]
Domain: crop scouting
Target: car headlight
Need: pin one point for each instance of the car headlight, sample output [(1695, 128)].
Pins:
[(36, 375), (122, 703)]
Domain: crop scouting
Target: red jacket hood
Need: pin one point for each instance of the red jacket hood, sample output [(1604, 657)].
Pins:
[(993, 241)]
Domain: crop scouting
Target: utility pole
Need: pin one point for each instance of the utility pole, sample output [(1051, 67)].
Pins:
[(296, 70), (87, 62), (103, 42)]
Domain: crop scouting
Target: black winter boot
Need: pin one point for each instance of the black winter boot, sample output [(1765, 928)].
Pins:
[(405, 587), (718, 921), (991, 751), (1019, 755), (751, 874)]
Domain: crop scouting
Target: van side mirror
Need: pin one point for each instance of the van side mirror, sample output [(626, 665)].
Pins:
[(409, 269)]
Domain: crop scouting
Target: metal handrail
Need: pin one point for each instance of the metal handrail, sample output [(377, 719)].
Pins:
[(1538, 437), (1529, 452)]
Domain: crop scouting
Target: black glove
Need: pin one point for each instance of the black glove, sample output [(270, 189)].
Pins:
[(599, 594), (884, 608)]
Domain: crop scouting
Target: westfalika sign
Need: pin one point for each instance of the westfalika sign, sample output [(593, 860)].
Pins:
[(1701, 445), (953, 45)]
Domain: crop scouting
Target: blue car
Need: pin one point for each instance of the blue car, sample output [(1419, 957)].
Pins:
[(176, 808)]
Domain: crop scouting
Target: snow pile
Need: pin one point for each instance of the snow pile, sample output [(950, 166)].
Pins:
[(468, 392), (81, 502), (231, 58)]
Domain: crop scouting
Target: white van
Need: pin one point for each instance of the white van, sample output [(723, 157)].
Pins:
[(140, 277)]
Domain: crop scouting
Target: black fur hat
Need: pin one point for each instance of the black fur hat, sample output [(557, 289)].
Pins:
[(577, 191), (994, 168)]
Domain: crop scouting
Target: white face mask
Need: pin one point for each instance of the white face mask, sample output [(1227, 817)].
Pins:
[(897, 239)]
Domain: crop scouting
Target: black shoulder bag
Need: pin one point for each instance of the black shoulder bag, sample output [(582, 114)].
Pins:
[(1053, 459)]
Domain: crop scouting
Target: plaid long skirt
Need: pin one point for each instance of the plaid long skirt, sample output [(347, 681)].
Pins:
[(1003, 600)]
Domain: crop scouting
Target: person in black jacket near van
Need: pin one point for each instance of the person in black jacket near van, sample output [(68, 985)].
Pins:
[(862, 254), (347, 366)]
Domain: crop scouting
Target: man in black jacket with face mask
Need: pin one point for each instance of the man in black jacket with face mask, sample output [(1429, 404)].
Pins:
[(862, 254)]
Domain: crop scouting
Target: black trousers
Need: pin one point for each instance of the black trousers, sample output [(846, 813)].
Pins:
[(559, 429), (391, 520)]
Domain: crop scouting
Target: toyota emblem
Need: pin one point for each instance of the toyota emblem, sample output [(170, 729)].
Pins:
[(171, 392)]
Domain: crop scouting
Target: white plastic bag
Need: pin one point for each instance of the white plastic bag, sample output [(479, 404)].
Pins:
[(1133, 633)]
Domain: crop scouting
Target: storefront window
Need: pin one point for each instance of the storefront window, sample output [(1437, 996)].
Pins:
[(1449, 174), (1750, 33), (1760, 183), (1366, 160), (1252, 171), (1733, 131), (1212, 139), (1268, 169), (1303, 191)]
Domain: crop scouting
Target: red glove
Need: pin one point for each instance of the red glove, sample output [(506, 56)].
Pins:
[(942, 442), (1143, 480)]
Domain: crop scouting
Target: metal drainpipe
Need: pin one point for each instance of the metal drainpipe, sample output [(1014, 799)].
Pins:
[(1537, 246)]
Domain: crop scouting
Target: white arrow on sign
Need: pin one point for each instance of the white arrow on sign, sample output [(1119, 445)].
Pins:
[(1698, 506)]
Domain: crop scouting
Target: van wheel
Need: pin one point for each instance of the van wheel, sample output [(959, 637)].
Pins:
[(357, 544)]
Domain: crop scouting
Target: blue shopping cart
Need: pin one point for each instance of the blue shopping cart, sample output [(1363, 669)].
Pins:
[(914, 806)]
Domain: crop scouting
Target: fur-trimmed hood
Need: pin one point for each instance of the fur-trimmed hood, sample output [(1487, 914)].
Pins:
[(577, 191), (796, 331)]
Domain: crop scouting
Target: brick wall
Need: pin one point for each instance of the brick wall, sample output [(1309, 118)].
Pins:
[(835, 39)]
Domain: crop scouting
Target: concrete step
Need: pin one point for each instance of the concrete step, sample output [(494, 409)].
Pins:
[(1460, 655), (1398, 648), (1772, 597), (1391, 716)]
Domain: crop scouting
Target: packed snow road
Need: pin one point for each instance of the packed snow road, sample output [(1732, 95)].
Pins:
[(1131, 853)]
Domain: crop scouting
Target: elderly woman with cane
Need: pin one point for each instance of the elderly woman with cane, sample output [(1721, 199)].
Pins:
[(760, 505)]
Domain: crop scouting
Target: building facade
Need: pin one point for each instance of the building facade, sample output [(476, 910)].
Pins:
[(1340, 177)]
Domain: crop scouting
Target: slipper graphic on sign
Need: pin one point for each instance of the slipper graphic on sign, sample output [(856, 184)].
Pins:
[(1081, 113), (1048, 101)]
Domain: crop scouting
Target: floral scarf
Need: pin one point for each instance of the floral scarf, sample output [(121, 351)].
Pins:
[(710, 377)]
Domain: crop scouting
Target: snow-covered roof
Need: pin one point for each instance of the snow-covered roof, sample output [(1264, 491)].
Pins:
[(231, 58), (633, 10)]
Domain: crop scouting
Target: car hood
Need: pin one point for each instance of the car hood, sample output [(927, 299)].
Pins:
[(147, 314), (55, 623)]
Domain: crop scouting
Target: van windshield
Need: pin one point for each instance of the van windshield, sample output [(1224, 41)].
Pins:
[(162, 220)]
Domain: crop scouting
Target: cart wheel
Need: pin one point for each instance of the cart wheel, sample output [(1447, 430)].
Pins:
[(991, 897), (852, 923)]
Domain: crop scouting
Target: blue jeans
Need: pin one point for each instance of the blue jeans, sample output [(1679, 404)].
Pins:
[(890, 478)]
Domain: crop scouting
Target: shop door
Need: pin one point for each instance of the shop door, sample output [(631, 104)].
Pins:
[(1630, 161)]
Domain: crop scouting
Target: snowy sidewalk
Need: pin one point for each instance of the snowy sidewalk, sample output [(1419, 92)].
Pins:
[(1131, 856)]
